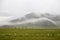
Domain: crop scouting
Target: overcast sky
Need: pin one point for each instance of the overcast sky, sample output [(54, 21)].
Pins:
[(22, 7)]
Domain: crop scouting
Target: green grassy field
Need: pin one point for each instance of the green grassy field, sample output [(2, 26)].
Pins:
[(29, 34)]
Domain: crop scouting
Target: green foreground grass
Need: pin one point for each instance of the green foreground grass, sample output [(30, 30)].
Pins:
[(29, 34)]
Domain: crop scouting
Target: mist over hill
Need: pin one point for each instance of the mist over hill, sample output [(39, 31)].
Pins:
[(34, 19), (33, 15)]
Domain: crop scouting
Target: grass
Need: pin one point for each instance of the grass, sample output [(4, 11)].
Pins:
[(29, 34)]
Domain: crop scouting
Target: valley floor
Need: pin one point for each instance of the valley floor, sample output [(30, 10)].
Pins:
[(29, 34)]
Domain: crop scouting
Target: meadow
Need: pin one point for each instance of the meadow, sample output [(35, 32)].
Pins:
[(29, 34)]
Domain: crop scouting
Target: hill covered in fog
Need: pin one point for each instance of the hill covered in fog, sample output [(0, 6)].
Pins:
[(34, 19), (33, 15)]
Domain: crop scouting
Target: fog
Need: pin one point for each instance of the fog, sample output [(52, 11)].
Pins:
[(19, 8), (37, 20), (22, 7)]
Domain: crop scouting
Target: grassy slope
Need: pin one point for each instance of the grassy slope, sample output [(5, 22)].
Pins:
[(29, 34)]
